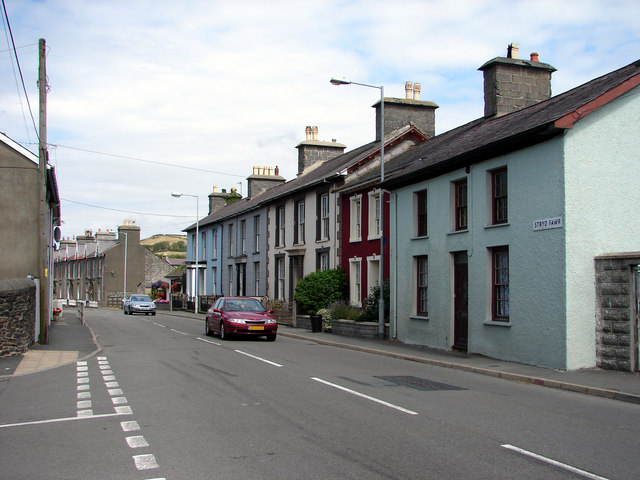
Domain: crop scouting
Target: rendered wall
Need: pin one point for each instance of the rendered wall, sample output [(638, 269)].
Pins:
[(602, 209), (535, 333)]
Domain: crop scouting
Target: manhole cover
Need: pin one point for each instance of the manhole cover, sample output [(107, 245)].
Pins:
[(419, 383)]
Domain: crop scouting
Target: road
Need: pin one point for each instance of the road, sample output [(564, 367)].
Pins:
[(165, 401)]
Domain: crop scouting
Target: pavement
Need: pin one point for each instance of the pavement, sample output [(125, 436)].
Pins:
[(70, 341)]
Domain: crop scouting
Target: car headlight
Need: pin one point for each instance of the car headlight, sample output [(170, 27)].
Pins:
[(270, 321), (237, 320)]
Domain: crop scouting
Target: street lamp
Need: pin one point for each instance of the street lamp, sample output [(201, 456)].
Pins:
[(178, 195), (344, 81)]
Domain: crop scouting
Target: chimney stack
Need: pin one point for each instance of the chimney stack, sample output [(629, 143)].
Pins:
[(262, 179), (511, 84), (312, 151)]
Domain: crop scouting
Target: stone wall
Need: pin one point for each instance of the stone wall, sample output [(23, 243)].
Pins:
[(17, 316), (616, 323)]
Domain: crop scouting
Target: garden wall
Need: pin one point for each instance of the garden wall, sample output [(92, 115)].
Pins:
[(17, 316)]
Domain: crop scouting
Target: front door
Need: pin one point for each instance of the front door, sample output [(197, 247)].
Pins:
[(461, 301)]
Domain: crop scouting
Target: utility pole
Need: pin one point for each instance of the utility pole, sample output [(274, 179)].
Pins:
[(42, 197)]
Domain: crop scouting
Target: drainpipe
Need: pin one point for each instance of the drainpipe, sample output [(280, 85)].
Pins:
[(395, 261)]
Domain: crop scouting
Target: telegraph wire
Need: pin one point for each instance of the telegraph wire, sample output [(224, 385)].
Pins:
[(126, 211), (143, 160), (15, 53)]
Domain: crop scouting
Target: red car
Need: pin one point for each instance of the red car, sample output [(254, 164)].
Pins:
[(242, 316)]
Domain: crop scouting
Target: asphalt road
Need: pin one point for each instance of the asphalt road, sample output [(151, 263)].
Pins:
[(165, 401)]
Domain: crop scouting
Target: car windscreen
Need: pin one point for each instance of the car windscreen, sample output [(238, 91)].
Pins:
[(141, 298), (243, 306)]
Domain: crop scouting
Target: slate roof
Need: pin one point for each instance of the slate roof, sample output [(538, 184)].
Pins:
[(488, 137), (330, 169)]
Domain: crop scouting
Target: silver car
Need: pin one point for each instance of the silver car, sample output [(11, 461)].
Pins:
[(139, 304)]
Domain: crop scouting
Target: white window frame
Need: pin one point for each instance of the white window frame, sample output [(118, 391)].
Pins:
[(300, 221), (215, 244), (355, 218), (324, 219), (374, 215), (355, 281)]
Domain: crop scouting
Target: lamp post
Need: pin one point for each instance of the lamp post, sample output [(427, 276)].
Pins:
[(126, 247), (381, 306), (178, 195)]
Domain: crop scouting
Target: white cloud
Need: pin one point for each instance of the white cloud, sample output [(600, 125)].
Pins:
[(224, 86)]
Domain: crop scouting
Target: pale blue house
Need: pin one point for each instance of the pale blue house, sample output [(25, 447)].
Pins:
[(495, 225)]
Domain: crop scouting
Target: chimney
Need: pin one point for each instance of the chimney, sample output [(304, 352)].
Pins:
[(217, 199), (313, 151), (511, 84), (399, 112), (262, 179), (132, 230)]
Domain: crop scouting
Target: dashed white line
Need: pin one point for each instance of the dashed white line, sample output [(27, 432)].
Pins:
[(137, 441), (131, 426), (178, 331), (159, 325), (555, 463), (362, 395), (119, 400), (208, 341), (66, 419), (145, 462), (258, 358)]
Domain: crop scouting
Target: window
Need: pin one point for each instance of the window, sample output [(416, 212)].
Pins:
[(355, 282), (214, 253), (256, 278), (256, 233), (280, 211), (374, 214), (203, 246), (322, 259), (230, 280), (279, 293), (500, 284), (422, 283), (243, 237), (461, 205), (324, 201), (298, 233), (231, 246), (193, 246), (421, 213), (499, 195), (214, 280), (355, 219)]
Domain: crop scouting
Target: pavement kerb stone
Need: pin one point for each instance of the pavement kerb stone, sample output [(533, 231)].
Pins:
[(514, 377)]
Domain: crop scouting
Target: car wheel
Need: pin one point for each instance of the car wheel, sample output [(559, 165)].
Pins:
[(271, 338), (124, 311), (223, 334), (207, 330), (153, 314)]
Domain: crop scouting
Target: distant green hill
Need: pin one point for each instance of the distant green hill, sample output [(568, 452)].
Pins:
[(175, 246)]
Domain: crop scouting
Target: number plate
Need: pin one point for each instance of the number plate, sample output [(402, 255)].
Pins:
[(256, 327)]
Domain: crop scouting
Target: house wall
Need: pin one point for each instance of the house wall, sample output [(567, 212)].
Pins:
[(19, 221), (602, 172), (114, 262), (535, 333)]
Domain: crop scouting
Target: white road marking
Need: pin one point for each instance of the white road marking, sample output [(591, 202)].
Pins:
[(83, 395), (208, 341), (159, 325), (362, 395), (136, 441), (106, 372), (104, 367), (83, 362), (555, 463), (83, 380), (109, 378), (178, 331), (83, 404), (145, 462), (112, 384), (82, 374), (126, 410), (131, 426), (67, 419), (258, 358), (84, 413), (115, 391), (80, 368), (119, 400), (83, 387)]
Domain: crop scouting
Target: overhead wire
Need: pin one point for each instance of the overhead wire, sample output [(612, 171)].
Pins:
[(15, 53), (125, 211)]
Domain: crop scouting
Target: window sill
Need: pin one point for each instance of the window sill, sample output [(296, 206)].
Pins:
[(497, 225), (355, 240), (425, 237), (418, 317), (492, 323), (456, 232), (373, 237)]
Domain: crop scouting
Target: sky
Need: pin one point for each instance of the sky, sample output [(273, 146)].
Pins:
[(150, 97)]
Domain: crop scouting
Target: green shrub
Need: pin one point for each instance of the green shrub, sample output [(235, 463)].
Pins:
[(370, 313), (320, 289), (344, 311)]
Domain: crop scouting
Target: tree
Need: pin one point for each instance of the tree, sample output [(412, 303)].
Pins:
[(320, 289)]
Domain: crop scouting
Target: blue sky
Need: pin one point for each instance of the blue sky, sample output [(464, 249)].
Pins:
[(220, 86)]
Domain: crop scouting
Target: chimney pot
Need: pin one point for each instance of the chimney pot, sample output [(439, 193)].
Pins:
[(512, 50), (416, 91), (215, 188), (277, 171), (408, 90), (314, 132), (534, 57), (307, 132)]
